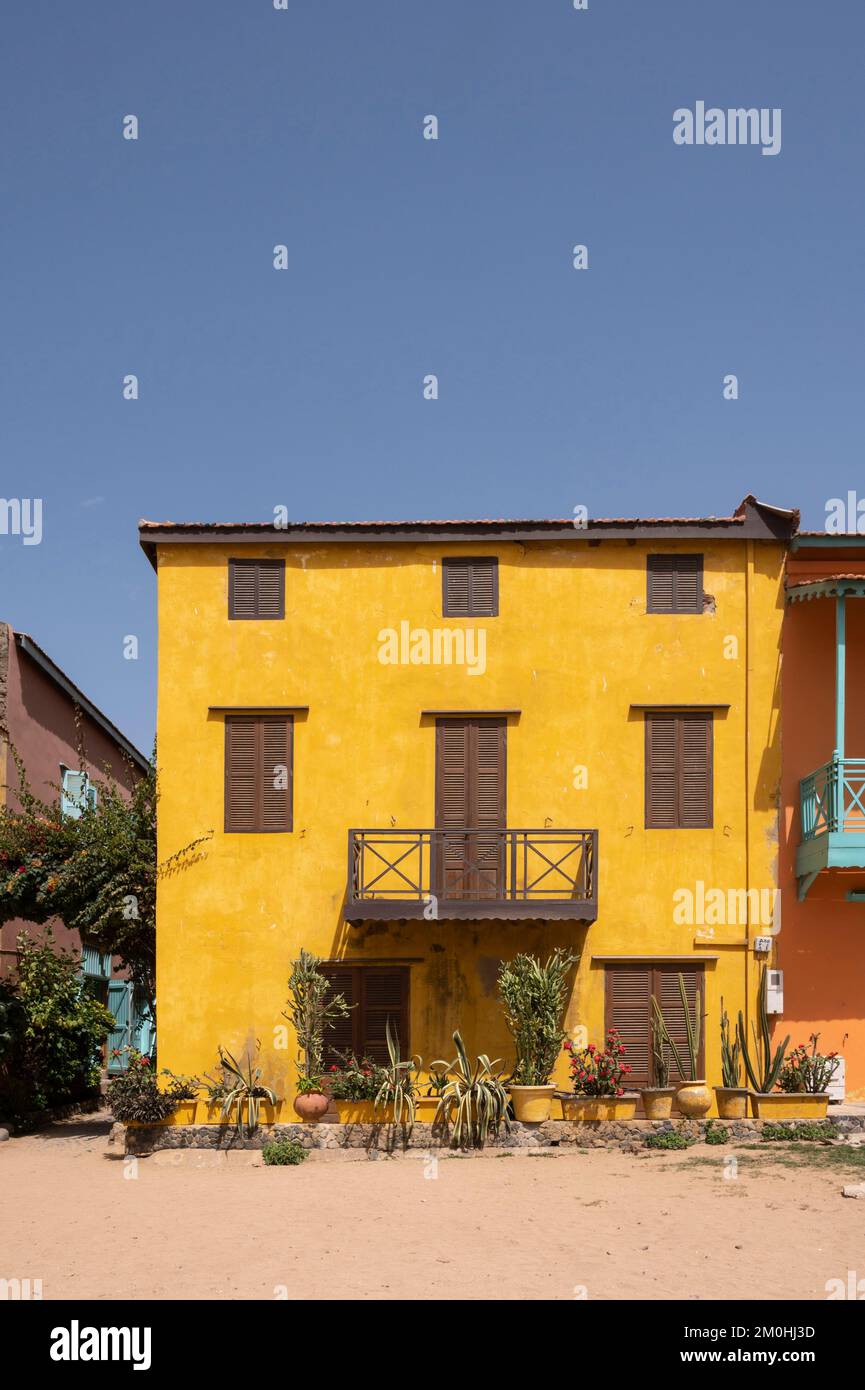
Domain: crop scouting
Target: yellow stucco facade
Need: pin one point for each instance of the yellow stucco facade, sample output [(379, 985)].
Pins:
[(575, 652)]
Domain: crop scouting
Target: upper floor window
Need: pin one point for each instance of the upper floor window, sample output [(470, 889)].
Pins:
[(256, 588), (674, 584), (679, 790), (258, 773), (77, 793), (470, 588)]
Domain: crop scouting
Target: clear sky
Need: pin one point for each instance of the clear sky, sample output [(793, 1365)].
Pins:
[(407, 257)]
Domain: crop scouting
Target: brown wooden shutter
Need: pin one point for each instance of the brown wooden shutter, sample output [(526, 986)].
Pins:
[(662, 801), (674, 584), (241, 745), (341, 1037), (666, 990), (679, 780), (629, 990), (385, 996), (470, 587), (628, 1002), (258, 773), (379, 992), (256, 589), (695, 797)]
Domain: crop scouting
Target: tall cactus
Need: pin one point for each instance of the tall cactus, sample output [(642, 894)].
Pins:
[(731, 1065), (693, 1032), (769, 1066), (660, 1065)]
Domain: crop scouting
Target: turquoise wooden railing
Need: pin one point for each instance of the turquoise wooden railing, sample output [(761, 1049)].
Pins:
[(833, 798)]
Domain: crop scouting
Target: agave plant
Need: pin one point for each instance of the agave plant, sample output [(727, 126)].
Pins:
[(398, 1087), (764, 1075), (243, 1089), (474, 1099), (693, 1031)]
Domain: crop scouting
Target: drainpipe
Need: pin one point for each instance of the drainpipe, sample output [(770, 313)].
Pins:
[(749, 572)]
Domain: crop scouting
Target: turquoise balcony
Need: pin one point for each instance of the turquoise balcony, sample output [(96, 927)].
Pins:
[(832, 805)]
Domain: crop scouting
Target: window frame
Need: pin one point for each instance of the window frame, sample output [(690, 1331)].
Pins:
[(450, 563)]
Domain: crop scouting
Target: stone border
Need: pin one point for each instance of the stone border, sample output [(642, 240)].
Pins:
[(629, 1135)]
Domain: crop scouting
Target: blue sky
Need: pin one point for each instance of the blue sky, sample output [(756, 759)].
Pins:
[(406, 257)]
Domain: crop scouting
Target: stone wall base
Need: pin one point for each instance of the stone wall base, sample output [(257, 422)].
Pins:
[(394, 1139)]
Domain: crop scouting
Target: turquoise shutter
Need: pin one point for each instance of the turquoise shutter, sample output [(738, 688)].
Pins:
[(72, 798), (143, 1032), (91, 795), (120, 1004)]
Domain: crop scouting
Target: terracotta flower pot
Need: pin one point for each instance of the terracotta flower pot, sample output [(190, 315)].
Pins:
[(532, 1104), (310, 1106), (658, 1102), (583, 1108), (693, 1099), (789, 1105), (732, 1102)]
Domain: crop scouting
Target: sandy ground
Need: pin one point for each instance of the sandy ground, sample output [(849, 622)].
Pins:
[(597, 1224)]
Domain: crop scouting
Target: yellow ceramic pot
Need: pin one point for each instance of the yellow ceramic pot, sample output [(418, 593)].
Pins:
[(532, 1104), (789, 1105), (732, 1102), (694, 1099), (598, 1107), (658, 1102)]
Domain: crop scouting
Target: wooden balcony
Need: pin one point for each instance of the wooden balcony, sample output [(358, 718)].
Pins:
[(472, 874), (832, 806)]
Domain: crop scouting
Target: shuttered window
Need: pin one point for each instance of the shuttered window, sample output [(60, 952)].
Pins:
[(471, 795), (256, 589), (379, 993), (258, 773), (470, 588), (679, 793), (674, 584), (629, 990)]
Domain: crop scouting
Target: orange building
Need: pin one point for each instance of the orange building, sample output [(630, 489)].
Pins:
[(821, 945)]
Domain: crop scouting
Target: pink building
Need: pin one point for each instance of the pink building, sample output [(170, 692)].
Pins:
[(38, 709)]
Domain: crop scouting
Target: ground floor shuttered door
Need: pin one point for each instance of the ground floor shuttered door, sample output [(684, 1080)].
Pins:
[(374, 994), (629, 990)]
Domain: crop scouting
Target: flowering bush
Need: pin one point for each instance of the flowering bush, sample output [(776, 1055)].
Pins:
[(598, 1073), (808, 1071), (356, 1079), (135, 1093)]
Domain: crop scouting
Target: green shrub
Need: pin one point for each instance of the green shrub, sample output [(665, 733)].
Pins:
[(52, 1030), (812, 1131), (135, 1093), (284, 1152), (669, 1139), (716, 1134)]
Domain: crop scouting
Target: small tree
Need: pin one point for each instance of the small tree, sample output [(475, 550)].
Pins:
[(534, 997), (310, 1012)]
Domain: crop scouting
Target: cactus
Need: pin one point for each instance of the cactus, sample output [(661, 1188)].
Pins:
[(731, 1065), (769, 1066), (660, 1065), (693, 1030)]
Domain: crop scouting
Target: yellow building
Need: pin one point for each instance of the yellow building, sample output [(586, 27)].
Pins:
[(424, 747)]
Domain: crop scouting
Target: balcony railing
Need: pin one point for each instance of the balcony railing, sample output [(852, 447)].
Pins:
[(472, 873), (833, 798)]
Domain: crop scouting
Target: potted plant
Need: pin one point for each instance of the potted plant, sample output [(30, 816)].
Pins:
[(473, 1099), (241, 1090), (597, 1076), (764, 1069), (658, 1099), (807, 1075), (731, 1098), (310, 1012), (354, 1085), (395, 1097), (534, 996), (135, 1098), (693, 1097)]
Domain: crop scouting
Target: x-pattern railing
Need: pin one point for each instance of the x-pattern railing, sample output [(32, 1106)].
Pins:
[(833, 798), (472, 863)]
